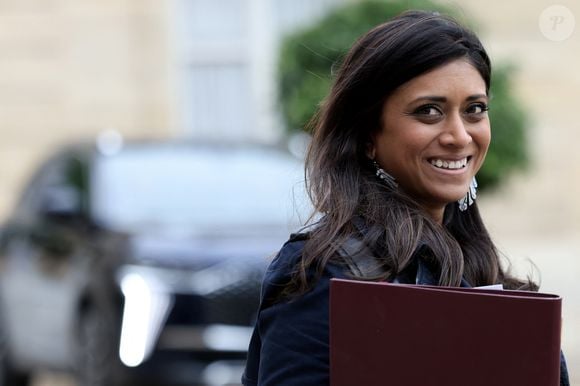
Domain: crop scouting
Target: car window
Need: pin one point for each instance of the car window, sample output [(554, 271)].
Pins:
[(199, 189), (59, 184)]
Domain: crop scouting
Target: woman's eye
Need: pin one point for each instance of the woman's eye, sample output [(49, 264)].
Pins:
[(429, 110), (477, 108)]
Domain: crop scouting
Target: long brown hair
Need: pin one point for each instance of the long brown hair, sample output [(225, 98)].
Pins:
[(341, 179)]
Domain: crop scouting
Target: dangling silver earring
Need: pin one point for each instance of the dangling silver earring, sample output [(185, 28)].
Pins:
[(470, 197), (386, 177)]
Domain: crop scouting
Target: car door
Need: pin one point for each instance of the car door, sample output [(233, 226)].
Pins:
[(41, 272)]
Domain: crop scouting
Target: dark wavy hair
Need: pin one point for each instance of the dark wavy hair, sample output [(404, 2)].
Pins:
[(341, 180)]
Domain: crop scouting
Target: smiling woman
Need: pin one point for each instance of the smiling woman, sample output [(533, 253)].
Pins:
[(435, 133), (391, 173)]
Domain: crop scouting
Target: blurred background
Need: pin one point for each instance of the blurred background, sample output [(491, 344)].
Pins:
[(208, 71)]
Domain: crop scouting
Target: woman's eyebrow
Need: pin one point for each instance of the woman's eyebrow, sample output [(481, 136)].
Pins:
[(437, 98), (431, 98), (476, 97)]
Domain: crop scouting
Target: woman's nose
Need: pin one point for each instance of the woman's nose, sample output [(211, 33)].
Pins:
[(455, 132)]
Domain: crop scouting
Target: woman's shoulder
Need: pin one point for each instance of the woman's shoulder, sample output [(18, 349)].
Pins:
[(288, 259), (293, 248), (287, 263), (289, 256)]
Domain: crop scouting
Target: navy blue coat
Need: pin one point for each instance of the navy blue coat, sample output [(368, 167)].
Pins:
[(289, 346)]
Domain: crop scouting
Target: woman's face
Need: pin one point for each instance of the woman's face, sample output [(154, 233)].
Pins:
[(435, 134)]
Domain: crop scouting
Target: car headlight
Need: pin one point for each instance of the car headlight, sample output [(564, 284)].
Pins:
[(145, 311)]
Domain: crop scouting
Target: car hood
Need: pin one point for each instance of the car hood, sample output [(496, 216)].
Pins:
[(201, 251)]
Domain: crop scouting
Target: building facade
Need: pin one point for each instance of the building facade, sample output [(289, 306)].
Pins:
[(146, 68)]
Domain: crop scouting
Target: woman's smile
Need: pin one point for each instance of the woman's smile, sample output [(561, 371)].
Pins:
[(449, 164)]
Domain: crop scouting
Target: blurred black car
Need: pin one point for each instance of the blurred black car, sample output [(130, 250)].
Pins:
[(142, 262)]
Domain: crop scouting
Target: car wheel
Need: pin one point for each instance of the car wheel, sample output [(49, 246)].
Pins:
[(12, 379), (8, 377), (97, 363), (3, 358)]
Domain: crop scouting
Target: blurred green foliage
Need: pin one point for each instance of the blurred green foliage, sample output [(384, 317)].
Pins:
[(509, 145), (309, 57)]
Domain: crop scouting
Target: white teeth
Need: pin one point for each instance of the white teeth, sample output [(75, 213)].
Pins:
[(449, 164)]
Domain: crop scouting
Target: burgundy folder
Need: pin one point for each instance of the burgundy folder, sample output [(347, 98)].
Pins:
[(409, 335)]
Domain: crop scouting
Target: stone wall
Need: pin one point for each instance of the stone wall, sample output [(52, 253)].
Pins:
[(71, 68)]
